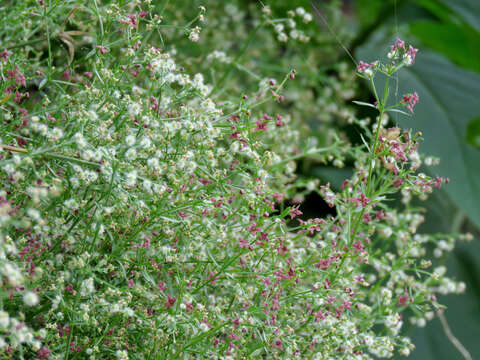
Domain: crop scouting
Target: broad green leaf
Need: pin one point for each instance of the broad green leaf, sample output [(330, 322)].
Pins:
[(469, 10), (459, 42), (439, 9), (367, 10), (448, 101)]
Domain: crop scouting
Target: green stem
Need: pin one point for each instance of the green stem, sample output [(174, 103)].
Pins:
[(372, 157)]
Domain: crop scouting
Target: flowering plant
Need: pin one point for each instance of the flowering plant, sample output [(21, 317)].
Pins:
[(144, 215)]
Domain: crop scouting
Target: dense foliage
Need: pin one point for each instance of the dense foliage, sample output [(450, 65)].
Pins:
[(150, 205)]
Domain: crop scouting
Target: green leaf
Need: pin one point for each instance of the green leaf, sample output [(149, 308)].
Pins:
[(367, 10), (448, 101), (399, 111), (468, 10), (361, 103), (42, 83), (459, 42)]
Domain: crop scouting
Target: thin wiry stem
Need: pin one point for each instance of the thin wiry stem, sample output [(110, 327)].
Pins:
[(455, 342)]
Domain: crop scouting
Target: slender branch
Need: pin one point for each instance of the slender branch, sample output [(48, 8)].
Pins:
[(455, 342), (13, 148)]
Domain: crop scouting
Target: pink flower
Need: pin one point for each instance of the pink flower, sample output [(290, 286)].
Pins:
[(366, 68), (261, 126), (278, 344), (294, 212), (362, 66), (402, 299), (243, 244), (44, 353), (102, 49), (17, 75), (358, 246), (170, 301), (131, 20), (411, 100), (412, 52), (399, 44), (5, 54)]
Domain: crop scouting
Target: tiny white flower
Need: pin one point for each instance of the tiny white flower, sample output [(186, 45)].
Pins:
[(134, 109), (30, 299), (131, 178), (130, 140), (307, 18), (279, 28), (87, 287), (300, 11), (4, 319), (131, 154), (121, 355)]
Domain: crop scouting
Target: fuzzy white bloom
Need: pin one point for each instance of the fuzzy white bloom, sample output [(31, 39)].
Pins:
[(407, 60), (11, 272), (220, 56), (294, 34), (421, 322), (87, 287), (147, 185), (386, 231), (153, 163), (386, 295), (307, 18), (279, 28), (282, 37), (92, 115), (30, 299), (134, 109), (71, 204), (121, 355), (300, 11), (131, 178), (87, 154), (57, 133), (163, 65), (4, 319), (394, 323), (79, 140), (33, 214), (145, 143), (194, 36), (131, 154), (130, 140), (440, 271)]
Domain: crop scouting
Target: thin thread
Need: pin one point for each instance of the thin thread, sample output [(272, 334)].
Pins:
[(397, 35), (333, 32)]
